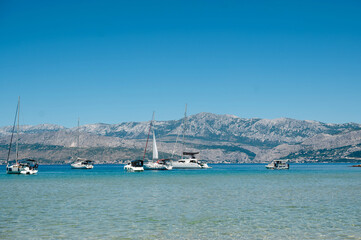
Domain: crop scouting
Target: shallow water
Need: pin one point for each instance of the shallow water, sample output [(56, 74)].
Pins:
[(247, 201)]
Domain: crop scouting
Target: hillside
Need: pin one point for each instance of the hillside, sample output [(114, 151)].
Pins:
[(219, 138)]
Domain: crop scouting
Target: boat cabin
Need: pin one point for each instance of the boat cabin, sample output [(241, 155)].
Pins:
[(32, 164), (278, 164), (191, 154), (136, 163), (87, 162)]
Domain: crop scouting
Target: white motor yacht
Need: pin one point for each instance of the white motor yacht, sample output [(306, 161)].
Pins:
[(278, 164), (134, 166), (82, 163)]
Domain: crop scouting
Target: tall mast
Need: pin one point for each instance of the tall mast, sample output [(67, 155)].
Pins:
[(184, 128), (17, 134), (146, 145), (77, 142), (155, 149), (12, 133)]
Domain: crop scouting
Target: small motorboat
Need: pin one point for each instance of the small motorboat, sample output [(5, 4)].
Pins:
[(134, 166), (82, 163), (278, 164)]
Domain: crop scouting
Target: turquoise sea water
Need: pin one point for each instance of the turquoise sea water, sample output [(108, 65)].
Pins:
[(247, 201)]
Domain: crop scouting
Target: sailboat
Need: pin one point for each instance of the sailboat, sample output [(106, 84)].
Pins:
[(28, 166), (156, 163), (188, 160), (81, 163)]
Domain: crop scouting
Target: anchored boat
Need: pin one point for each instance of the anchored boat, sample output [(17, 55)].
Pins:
[(155, 163), (188, 160), (28, 166), (134, 166), (81, 163), (278, 164)]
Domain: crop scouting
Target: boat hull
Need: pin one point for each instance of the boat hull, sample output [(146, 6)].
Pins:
[(82, 167), (180, 165), (29, 171), (79, 165), (14, 169), (278, 165), (133, 169), (156, 166), (277, 168), (205, 165)]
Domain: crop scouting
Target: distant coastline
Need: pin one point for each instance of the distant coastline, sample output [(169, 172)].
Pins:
[(218, 138)]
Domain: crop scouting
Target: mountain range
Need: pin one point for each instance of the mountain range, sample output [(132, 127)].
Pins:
[(218, 138)]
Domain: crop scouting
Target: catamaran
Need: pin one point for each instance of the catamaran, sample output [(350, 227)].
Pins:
[(156, 163), (81, 163), (188, 160), (28, 166)]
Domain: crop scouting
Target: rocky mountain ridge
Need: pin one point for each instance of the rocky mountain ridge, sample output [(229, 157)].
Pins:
[(219, 138)]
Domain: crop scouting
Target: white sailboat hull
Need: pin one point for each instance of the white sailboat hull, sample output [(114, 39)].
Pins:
[(156, 166), (81, 166), (29, 171), (13, 169), (16, 169), (130, 168)]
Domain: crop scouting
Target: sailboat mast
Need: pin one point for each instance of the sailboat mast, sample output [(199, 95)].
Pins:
[(155, 149), (184, 128), (17, 135), (146, 145), (12, 133), (77, 142), (178, 133)]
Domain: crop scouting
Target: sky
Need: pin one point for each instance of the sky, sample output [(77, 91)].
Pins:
[(117, 61)]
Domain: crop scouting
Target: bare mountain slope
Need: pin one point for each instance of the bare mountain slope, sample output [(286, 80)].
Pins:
[(219, 138)]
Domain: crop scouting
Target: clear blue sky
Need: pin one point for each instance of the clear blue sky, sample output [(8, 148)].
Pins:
[(115, 61)]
